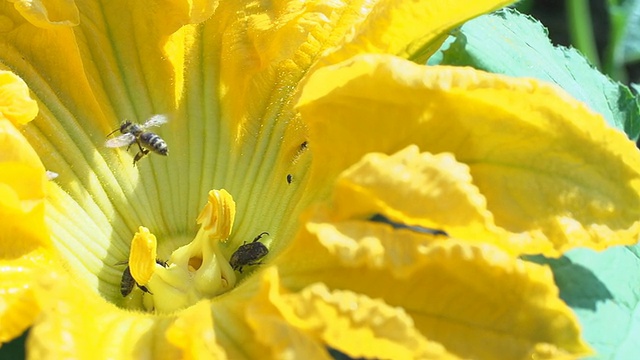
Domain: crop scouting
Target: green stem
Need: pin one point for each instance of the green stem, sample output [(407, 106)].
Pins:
[(613, 62), (581, 29)]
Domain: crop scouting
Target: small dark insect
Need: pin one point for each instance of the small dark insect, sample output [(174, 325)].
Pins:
[(128, 282), (249, 254), (289, 178), (137, 133), (301, 149)]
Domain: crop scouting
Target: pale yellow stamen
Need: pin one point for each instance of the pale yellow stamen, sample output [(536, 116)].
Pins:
[(195, 271)]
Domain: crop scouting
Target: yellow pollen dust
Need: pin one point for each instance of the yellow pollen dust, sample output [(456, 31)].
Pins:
[(194, 271)]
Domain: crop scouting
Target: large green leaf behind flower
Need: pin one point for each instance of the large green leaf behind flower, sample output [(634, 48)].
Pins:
[(602, 290), (507, 42)]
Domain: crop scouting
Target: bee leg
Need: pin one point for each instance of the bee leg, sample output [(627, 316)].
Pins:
[(139, 145), (144, 289), (140, 155)]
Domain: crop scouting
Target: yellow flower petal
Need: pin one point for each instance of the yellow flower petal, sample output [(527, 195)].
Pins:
[(48, 13), (193, 333), (77, 323), (475, 299), (305, 323), (18, 305), (25, 250), (195, 11), (27, 47), (112, 79), (276, 44), (544, 162), (420, 189), (404, 27), (22, 192), (16, 104)]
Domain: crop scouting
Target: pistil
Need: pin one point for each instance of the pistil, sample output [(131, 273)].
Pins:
[(195, 271)]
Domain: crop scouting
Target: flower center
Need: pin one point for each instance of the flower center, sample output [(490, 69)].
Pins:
[(194, 271)]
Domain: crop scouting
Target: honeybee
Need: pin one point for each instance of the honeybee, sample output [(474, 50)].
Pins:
[(128, 282), (249, 254), (136, 133)]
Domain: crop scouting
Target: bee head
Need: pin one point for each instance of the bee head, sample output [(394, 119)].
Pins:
[(124, 126)]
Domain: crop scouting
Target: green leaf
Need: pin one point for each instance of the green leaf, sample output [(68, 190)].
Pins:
[(507, 42), (14, 349), (603, 290)]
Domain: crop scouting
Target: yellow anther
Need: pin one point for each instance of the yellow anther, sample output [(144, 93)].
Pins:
[(218, 214), (142, 258)]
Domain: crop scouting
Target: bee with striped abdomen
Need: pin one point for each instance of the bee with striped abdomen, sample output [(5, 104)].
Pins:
[(135, 133)]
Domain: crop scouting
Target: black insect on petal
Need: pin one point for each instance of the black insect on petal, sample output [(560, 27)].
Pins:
[(128, 282), (249, 254)]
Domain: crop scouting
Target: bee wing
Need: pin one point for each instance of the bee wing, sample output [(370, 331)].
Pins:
[(156, 120), (122, 140)]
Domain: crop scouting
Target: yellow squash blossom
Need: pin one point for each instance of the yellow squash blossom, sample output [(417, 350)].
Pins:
[(321, 193)]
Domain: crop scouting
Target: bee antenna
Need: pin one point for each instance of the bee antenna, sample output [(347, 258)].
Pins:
[(122, 126), (111, 133)]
